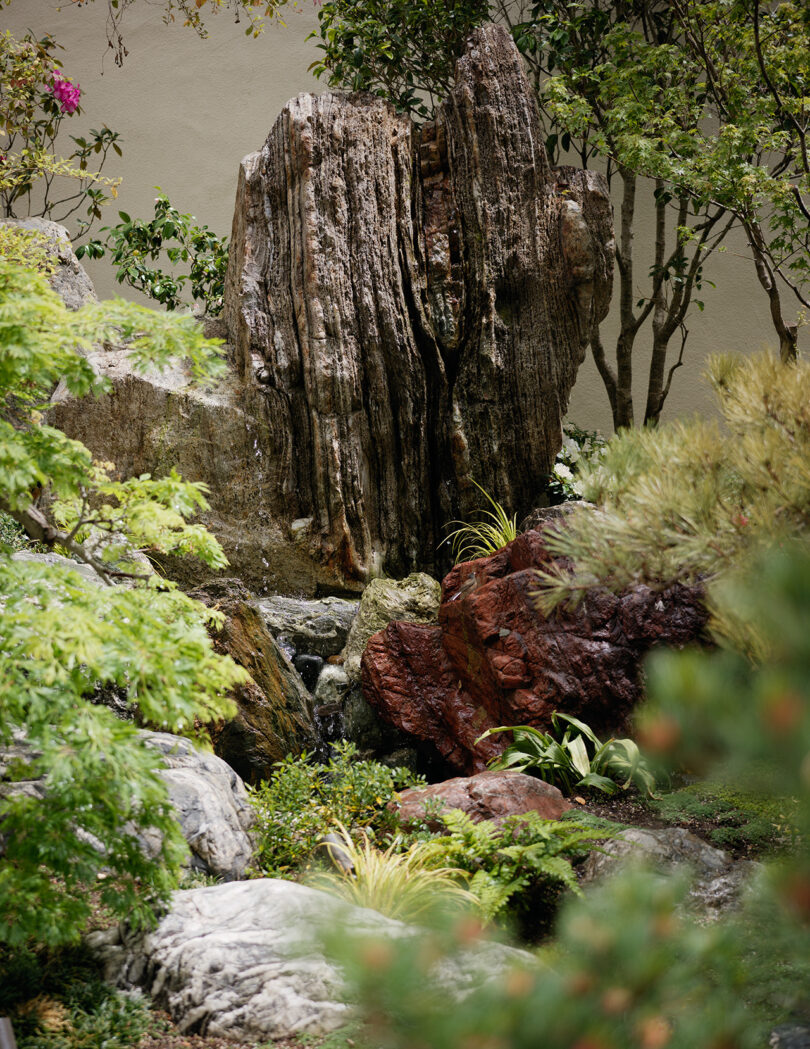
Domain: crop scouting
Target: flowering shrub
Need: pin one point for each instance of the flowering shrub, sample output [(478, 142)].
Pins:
[(65, 92), (35, 98), (579, 447)]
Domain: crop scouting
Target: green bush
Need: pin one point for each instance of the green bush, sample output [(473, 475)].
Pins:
[(304, 800), (62, 635), (134, 244)]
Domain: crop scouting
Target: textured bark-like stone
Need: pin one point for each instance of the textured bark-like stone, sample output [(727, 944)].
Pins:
[(414, 304), (407, 308), (495, 660)]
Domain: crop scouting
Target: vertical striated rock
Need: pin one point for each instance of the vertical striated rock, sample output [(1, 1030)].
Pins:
[(406, 309), (415, 303)]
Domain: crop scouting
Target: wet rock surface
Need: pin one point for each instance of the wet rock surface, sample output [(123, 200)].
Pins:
[(717, 880), (244, 960), (494, 659), (310, 627), (486, 796), (274, 710)]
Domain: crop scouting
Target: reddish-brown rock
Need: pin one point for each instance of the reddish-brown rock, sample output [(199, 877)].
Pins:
[(494, 659), (486, 796)]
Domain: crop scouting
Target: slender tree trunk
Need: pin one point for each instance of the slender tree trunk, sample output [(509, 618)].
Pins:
[(623, 414)]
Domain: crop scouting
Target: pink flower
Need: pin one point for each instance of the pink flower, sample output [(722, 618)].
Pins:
[(66, 93)]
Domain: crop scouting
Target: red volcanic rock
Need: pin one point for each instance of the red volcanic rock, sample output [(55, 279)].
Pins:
[(494, 659), (487, 796)]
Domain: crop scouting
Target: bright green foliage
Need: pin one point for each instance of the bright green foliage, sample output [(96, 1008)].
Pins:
[(573, 756), (710, 98), (401, 50), (494, 529), (629, 967), (303, 800), (133, 244), (691, 500), (31, 119), (524, 860), (402, 885), (62, 634)]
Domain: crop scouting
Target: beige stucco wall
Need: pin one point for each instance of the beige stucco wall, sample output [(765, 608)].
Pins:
[(189, 109)]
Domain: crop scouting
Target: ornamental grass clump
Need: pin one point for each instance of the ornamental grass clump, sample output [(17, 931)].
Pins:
[(402, 885), (494, 529)]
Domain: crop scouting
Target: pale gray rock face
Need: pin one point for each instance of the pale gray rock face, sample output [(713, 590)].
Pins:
[(211, 805), (317, 628), (414, 599), (87, 572), (209, 799), (717, 881), (69, 280), (244, 960)]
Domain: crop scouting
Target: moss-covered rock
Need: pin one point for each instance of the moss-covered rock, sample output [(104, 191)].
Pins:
[(414, 599), (274, 715)]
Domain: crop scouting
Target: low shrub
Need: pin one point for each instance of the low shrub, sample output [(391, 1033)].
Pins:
[(303, 800), (517, 868), (575, 757)]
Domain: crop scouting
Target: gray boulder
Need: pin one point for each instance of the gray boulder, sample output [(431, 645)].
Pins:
[(69, 279), (318, 627), (208, 797), (717, 883), (244, 960), (211, 804), (414, 599)]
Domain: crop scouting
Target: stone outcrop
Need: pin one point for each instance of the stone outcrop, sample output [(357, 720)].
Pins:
[(274, 709), (486, 796), (407, 308), (211, 804), (209, 800), (245, 961), (303, 627), (414, 599), (717, 880), (494, 659), (69, 278), (414, 304)]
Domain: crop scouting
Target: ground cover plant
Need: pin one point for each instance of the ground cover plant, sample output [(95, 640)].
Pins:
[(305, 799), (572, 757)]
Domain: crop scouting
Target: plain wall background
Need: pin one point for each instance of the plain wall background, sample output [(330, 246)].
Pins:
[(189, 109)]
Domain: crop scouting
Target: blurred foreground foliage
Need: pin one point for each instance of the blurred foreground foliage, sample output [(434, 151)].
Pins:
[(631, 966)]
